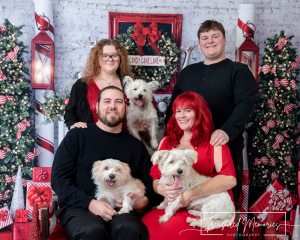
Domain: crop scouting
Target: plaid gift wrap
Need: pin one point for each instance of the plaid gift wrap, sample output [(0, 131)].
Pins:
[(280, 198), (42, 174), (283, 237), (6, 235), (21, 230), (5, 217), (40, 193), (21, 215)]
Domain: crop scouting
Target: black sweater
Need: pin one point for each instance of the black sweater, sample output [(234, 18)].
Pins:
[(229, 90), (71, 171)]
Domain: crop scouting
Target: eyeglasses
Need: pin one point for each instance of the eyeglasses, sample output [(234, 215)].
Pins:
[(105, 57)]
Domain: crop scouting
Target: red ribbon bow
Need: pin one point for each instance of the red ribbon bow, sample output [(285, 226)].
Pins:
[(266, 69), (274, 176), (22, 127), (280, 200), (288, 161), (294, 64), (151, 33), (278, 139), (281, 43), (270, 124), (40, 195), (42, 174), (23, 215), (9, 179), (30, 155), (13, 54), (3, 28), (273, 162), (289, 107), (3, 99), (2, 77), (66, 101), (271, 104), (263, 160), (4, 195), (2, 152), (3, 215)]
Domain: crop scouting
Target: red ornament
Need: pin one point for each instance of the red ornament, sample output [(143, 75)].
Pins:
[(3, 28), (66, 101)]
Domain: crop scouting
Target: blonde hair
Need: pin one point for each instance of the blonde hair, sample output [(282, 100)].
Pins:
[(92, 68)]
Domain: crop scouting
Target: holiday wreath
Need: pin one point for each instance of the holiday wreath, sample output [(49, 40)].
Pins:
[(135, 39)]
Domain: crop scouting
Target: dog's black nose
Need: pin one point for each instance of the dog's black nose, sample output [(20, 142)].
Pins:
[(111, 176), (179, 171), (140, 95)]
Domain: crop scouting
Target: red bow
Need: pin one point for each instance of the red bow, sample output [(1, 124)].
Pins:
[(288, 161), (3, 215), (280, 200), (2, 77), (289, 107), (271, 104), (294, 65), (23, 215), (42, 174), (151, 33), (4, 195), (2, 152), (9, 179), (22, 127), (40, 195), (66, 101), (30, 155), (274, 176), (266, 69), (270, 124), (13, 54), (281, 43), (3, 28), (3, 99), (278, 139), (273, 162), (263, 160)]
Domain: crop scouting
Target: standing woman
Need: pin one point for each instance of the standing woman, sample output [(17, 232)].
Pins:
[(106, 65)]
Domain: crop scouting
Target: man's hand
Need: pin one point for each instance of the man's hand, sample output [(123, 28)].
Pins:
[(79, 125), (102, 209), (171, 192), (219, 137)]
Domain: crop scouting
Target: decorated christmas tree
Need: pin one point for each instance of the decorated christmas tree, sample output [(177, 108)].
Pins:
[(273, 125), (16, 131)]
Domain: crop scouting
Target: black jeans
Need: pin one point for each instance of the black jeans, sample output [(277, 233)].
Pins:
[(79, 223), (238, 166)]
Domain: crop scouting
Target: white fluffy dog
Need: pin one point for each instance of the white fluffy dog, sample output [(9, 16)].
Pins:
[(114, 181), (139, 94), (215, 211)]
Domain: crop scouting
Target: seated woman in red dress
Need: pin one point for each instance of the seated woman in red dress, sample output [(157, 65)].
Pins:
[(191, 127)]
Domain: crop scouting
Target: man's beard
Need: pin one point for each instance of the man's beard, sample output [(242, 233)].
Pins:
[(115, 121)]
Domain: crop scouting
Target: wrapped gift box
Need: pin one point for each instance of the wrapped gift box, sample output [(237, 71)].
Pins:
[(40, 193), (41, 174), (251, 230), (280, 198), (21, 230), (244, 197), (21, 215), (6, 235), (5, 217), (284, 227)]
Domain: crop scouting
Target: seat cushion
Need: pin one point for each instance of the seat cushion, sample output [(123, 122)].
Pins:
[(57, 233)]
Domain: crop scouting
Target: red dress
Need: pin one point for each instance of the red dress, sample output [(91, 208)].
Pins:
[(92, 97), (177, 228)]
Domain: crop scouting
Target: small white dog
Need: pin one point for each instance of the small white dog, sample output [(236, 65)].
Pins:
[(139, 94), (114, 181), (215, 211)]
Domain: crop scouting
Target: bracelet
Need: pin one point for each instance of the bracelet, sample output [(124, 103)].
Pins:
[(200, 191)]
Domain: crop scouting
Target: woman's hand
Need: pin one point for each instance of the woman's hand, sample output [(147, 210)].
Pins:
[(171, 192), (186, 198), (79, 125)]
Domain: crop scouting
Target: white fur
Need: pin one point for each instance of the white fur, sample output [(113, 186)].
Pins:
[(124, 183), (146, 113), (215, 211)]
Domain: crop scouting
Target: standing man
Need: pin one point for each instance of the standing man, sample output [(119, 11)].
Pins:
[(228, 88), (80, 215)]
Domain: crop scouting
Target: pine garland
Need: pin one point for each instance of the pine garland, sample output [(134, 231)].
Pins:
[(275, 143), (15, 108), (167, 47)]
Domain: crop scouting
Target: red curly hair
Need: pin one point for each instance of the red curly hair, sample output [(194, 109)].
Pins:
[(203, 126)]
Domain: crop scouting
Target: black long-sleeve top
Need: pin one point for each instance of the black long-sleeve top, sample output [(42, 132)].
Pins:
[(229, 90), (71, 176)]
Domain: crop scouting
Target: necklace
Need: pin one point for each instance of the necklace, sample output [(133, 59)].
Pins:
[(109, 83)]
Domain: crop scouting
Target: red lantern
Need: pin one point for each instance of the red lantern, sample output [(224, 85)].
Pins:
[(248, 52), (42, 65)]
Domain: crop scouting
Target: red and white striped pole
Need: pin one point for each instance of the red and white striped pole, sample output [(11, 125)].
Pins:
[(45, 133)]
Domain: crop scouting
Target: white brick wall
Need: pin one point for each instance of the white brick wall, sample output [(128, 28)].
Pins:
[(89, 18)]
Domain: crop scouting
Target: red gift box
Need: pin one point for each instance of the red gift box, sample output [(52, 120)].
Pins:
[(40, 193), (280, 198), (6, 235), (5, 217), (251, 230), (42, 174), (284, 227), (21, 231), (21, 215)]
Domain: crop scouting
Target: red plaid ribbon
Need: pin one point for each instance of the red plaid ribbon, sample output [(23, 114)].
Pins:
[(278, 139), (22, 127), (13, 54), (285, 134), (274, 176), (280, 200), (4, 195), (3, 99), (263, 160), (273, 162), (281, 43), (2, 77), (30, 155), (288, 161), (2, 152), (270, 124), (3, 28), (271, 104), (294, 64), (266, 69), (289, 107), (9, 179)]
